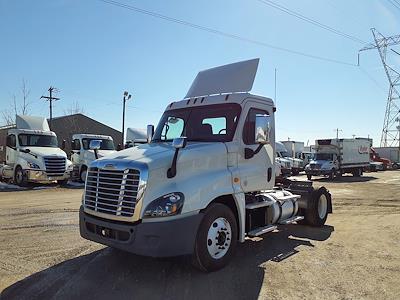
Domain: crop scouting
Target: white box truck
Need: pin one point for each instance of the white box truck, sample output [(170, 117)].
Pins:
[(204, 182), (334, 157), (82, 156), (33, 155)]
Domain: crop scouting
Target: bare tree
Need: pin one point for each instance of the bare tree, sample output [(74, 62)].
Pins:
[(8, 114), (75, 108)]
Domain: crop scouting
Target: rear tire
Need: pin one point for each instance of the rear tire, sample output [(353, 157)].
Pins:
[(216, 238), (20, 178), (317, 209), (332, 174)]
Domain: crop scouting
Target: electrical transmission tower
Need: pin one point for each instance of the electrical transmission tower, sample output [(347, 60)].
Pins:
[(390, 133)]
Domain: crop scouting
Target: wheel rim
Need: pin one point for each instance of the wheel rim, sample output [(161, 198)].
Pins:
[(219, 238), (322, 206)]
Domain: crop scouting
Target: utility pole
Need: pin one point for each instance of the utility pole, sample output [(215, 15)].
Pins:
[(50, 98), (275, 88), (337, 132), (381, 43), (127, 96)]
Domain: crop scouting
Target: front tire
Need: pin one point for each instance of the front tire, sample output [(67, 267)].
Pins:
[(82, 175), (216, 238), (20, 178), (309, 176)]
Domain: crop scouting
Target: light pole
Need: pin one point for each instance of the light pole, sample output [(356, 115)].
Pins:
[(127, 96)]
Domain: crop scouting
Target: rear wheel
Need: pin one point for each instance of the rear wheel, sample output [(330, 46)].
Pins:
[(395, 166), (216, 238), (317, 208), (332, 174), (20, 177)]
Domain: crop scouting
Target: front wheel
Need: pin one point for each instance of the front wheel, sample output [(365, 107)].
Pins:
[(216, 238), (309, 176), (20, 177)]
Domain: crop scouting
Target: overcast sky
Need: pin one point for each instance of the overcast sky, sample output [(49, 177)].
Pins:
[(92, 51)]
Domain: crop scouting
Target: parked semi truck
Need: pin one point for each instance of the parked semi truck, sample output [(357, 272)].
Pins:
[(334, 157), (296, 163), (135, 136), (376, 158), (33, 155), (203, 183), (82, 156)]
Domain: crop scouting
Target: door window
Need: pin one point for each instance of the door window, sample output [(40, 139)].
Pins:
[(11, 141), (249, 125), (76, 144)]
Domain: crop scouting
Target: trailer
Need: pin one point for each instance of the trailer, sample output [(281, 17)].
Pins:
[(391, 153), (335, 157)]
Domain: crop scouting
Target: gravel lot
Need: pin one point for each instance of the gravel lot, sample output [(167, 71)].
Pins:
[(356, 255)]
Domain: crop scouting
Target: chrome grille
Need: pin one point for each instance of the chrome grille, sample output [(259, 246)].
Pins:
[(112, 192), (315, 166), (55, 165)]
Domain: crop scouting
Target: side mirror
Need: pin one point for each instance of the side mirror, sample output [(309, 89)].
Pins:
[(262, 129), (150, 133), (94, 144), (179, 143), (63, 144)]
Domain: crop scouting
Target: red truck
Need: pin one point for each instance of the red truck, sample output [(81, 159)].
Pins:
[(374, 156)]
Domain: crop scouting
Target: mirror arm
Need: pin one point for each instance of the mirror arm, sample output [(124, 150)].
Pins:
[(96, 155), (172, 171), (249, 153)]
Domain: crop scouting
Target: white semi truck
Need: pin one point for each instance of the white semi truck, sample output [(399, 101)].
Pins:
[(33, 155), (204, 182), (391, 153), (334, 157), (296, 163), (82, 156)]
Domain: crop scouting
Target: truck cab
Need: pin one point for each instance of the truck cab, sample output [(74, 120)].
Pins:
[(82, 155), (33, 155), (204, 182)]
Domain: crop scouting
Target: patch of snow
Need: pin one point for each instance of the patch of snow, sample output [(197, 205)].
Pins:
[(11, 187)]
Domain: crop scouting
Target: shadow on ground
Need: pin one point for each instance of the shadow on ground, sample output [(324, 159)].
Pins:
[(113, 274), (345, 179)]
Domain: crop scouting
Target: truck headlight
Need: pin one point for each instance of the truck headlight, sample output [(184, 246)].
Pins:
[(33, 165), (167, 205)]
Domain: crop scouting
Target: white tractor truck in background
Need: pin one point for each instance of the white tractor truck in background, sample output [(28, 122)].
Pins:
[(296, 163), (335, 157), (82, 156), (205, 180), (33, 155)]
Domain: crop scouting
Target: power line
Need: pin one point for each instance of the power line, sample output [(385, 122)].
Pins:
[(311, 21), (222, 33), (395, 3)]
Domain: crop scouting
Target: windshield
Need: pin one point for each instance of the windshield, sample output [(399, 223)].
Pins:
[(205, 124), (105, 144), (323, 156), (284, 153), (37, 140)]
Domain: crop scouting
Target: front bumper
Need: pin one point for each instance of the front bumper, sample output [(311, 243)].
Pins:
[(318, 172), (41, 176), (156, 239)]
